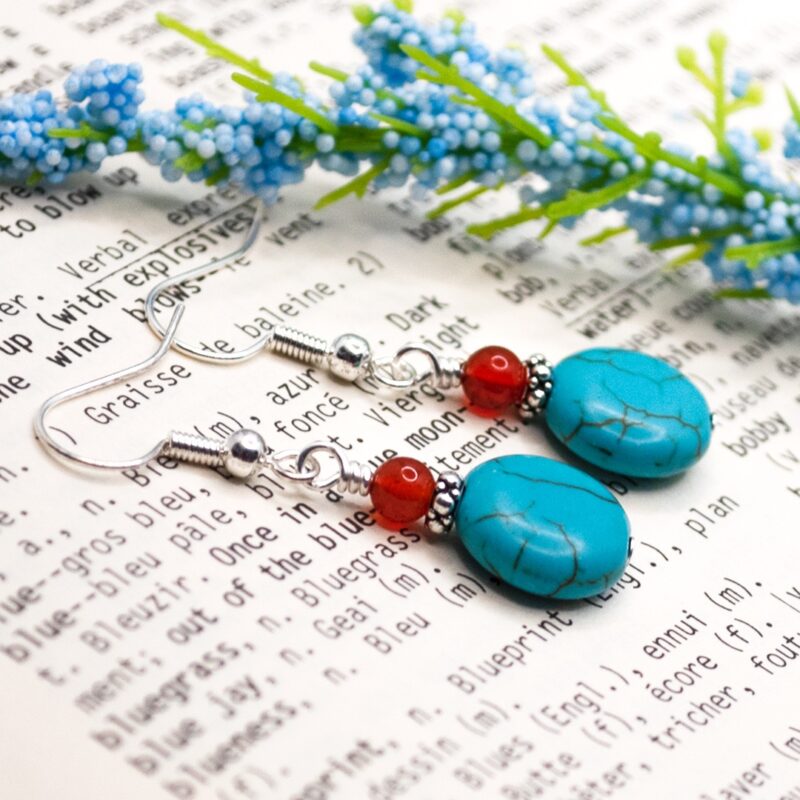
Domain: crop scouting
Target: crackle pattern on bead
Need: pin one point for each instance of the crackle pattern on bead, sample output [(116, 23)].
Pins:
[(441, 514), (543, 526), (628, 412)]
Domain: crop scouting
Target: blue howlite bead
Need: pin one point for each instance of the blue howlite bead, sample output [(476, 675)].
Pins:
[(543, 526), (628, 412)]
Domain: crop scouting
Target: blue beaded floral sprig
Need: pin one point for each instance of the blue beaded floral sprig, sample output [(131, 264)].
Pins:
[(435, 107)]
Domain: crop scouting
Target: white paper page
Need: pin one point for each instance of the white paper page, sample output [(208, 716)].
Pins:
[(174, 634)]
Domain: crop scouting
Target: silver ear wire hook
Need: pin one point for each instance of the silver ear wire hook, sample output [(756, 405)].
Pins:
[(348, 356), (242, 454), (197, 272), (61, 451)]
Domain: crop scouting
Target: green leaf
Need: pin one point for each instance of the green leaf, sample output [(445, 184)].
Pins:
[(763, 138), (456, 183), (190, 162), (214, 48), (576, 77), (219, 175), (598, 146), (753, 254), (793, 104), (83, 131), (706, 236), (267, 93), (578, 202), (404, 5), (754, 96), (717, 44), (692, 254), (458, 17), (548, 229), (136, 144), (329, 72), (400, 125), (448, 75), (363, 14), (687, 58), (357, 186), (342, 76), (486, 230), (757, 293), (460, 200), (199, 126), (604, 235), (649, 146)]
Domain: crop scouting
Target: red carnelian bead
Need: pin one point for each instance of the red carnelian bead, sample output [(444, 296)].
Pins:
[(494, 378), (402, 489)]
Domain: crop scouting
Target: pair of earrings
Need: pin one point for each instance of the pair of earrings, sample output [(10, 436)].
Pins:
[(540, 525)]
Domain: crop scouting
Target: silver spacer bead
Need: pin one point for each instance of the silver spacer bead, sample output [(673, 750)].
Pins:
[(243, 453), (540, 385), (441, 514)]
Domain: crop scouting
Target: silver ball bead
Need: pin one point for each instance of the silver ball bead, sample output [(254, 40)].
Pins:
[(449, 480), (439, 525), (350, 356), (243, 453), (443, 504)]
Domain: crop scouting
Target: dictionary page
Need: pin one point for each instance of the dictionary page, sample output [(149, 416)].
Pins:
[(172, 633)]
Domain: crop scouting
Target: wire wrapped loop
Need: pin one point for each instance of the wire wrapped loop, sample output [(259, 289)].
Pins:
[(399, 371), (352, 477)]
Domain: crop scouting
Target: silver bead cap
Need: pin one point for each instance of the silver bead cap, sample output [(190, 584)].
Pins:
[(441, 514), (539, 388)]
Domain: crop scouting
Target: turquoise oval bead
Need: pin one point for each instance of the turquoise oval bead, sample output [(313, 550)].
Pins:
[(628, 412), (543, 526)]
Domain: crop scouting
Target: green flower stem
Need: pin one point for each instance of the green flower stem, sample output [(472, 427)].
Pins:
[(82, 132), (450, 76), (265, 92), (576, 201), (486, 230), (456, 183), (742, 294), (707, 236), (342, 76), (649, 147), (604, 235), (576, 78), (399, 125), (794, 105), (753, 254), (579, 202), (357, 186), (692, 254), (448, 205)]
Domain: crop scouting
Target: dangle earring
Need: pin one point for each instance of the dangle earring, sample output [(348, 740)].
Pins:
[(621, 410), (539, 525)]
